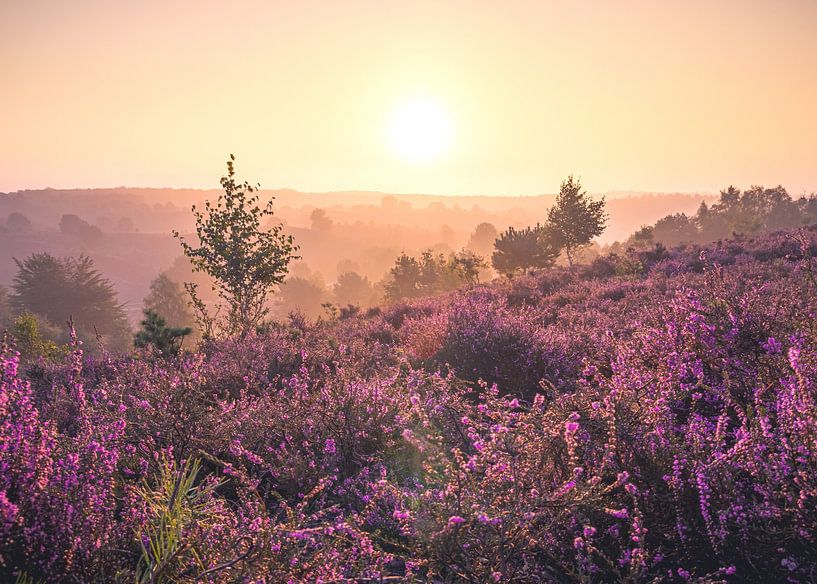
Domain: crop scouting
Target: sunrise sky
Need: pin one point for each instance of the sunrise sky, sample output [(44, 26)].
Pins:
[(473, 97)]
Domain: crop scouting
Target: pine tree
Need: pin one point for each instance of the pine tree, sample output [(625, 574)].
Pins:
[(168, 300), (57, 289), (523, 249), (155, 332)]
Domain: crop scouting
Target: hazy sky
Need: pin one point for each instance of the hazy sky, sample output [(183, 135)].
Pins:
[(650, 95)]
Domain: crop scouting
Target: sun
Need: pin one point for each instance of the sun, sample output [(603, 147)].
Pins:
[(420, 131)]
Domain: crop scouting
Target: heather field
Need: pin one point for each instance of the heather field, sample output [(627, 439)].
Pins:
[(649, 417)]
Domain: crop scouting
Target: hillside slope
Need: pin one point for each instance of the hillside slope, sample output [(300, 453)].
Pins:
[(646, 418)]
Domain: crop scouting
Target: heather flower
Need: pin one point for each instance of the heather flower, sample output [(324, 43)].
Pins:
[(455, 520), (772, 346), (680, 440)]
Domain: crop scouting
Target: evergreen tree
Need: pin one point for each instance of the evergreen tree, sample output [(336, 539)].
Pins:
[(405, 279), (59, 289), (575, 218), (155, 332), (424, 276), (168, 300), (524, 249)]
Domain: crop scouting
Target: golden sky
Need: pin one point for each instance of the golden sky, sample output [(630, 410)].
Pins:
[(649, 95)]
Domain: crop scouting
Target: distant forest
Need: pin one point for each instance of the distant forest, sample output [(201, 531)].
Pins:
[(126, 231), (356, 249)]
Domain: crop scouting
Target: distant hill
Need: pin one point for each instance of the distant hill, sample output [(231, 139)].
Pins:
[(160, 210)]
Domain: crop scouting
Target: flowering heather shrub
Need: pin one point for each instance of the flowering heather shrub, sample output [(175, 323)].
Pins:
[(423, 338), (652, 426), (489, 340)]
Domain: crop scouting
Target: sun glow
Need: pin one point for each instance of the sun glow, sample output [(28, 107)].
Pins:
[(420, 131)]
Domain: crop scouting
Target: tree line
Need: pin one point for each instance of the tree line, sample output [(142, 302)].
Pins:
[(245, 256), (737, 212)]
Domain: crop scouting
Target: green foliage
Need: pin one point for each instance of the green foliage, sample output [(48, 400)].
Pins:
[(25, 578), (523, 249), (468, 265), (57, 289), (155, 332), (575, 218), (175, 506), (737, 212), (429, 274), (245, 261), (30, 343), (168, 300)]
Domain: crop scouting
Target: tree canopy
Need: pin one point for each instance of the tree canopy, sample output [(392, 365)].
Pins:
[(523, 249), (168, 300), (156, 333), (575, 218), (245, 259), (415, 277), (61, 288), (736, 212)]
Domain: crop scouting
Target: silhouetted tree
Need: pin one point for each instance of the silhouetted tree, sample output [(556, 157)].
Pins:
[(468, 265), (482, 239), (57, 289), (751, 211), (523, 249), (674, 230), (643, 238), (155, 332), (429, 274), (352, 288), (168, 300), (303, 295), (711, 225), (575, 218), (245, 261), (319, 220), (405, 279), (18, 223), (73, 226)]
